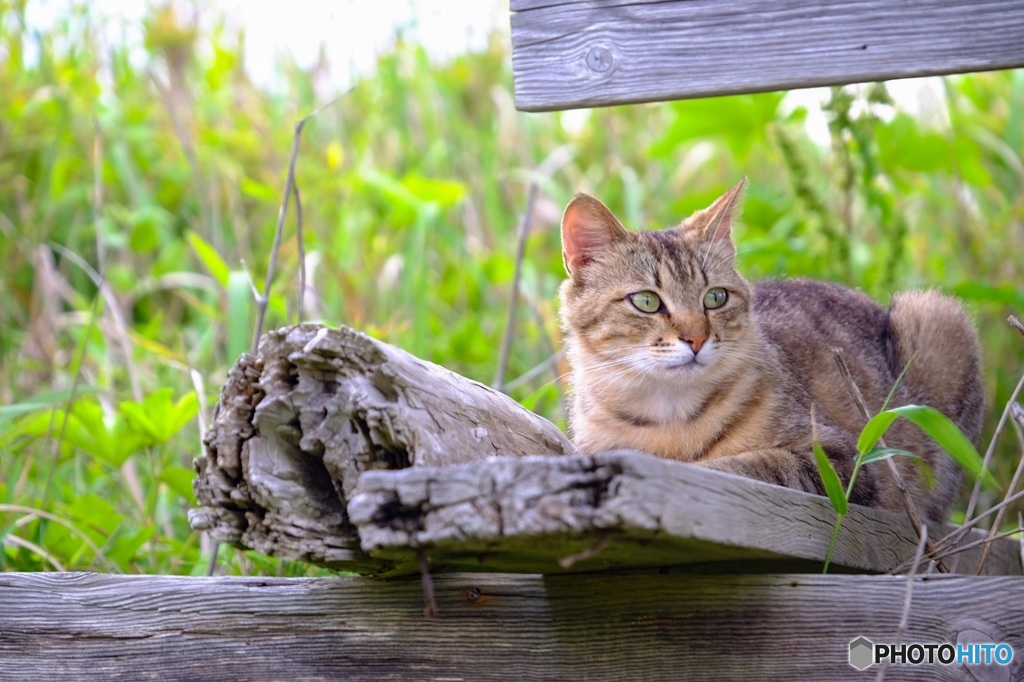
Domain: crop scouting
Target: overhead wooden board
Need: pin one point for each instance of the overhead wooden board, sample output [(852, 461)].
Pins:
[(571, 54)]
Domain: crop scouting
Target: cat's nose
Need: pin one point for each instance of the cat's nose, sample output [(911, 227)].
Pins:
[(695, 339)]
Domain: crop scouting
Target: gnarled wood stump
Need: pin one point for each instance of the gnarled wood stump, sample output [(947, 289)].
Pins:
[(299, 422)]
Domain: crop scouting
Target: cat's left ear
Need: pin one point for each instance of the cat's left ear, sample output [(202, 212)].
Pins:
[(717, 219)]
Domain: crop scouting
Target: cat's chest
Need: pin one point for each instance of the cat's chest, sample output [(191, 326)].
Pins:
[(663, 405), (682, 425)]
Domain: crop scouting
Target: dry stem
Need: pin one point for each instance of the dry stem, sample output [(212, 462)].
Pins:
[(535, 371), (510, 322), (263, 300), (429, 599), (1018, 417), (1016, 324), (991, 448), (568, 562), (908, 595)]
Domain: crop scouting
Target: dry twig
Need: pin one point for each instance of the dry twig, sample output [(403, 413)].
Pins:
[(429, 600), (510, 322), (991, 448), (1018, 418), (982, 541), (263, 300), (1016, 323), (945, 546), (901, 630), (555, 160), (302, 255), (976, 491), (1020, 524), (568, 562), (535, 371)]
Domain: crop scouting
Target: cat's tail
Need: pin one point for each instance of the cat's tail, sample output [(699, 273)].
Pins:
[(933, 333)]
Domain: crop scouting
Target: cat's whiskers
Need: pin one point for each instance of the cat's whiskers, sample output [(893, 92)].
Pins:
[(619, 365), (627, 369), (624, 360), (566, 375)]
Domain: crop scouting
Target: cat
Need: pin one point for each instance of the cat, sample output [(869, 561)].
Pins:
[(672, 352)]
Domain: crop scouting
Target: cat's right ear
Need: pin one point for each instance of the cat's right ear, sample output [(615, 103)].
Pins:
[(588, 227)]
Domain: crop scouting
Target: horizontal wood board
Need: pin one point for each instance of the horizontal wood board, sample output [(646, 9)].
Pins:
[(593, 53), (622, 510), (490, 626)]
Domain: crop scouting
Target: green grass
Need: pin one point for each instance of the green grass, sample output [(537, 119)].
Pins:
[(412, 190)]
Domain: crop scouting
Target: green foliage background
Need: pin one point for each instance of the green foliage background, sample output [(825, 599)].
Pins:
[(160, 172)]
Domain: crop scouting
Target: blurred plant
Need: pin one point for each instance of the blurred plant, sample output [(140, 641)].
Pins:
[(141, 186)]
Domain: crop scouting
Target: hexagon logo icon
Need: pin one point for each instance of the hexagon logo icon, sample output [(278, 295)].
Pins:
[(862, 653)]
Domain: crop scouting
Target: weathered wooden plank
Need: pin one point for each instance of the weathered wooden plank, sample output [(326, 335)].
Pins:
[(526, 514), (299, 422), (597, 53), (490, 626)]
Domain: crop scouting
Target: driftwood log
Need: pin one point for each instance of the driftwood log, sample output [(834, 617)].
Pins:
[(316, 407), (333, 448)]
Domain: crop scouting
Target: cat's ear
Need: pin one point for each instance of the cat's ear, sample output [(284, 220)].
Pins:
[(588, 227), (714, 223), (717, 219)]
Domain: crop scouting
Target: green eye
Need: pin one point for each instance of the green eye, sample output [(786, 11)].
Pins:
[(715, 298), (645, 301)]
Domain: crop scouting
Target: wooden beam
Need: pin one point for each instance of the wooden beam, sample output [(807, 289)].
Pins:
[(622, 510), (491, 626), (571, 54)]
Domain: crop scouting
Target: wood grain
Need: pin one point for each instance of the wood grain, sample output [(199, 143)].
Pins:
[(300, 421), (490, 626), (527, 514), (596, 53)]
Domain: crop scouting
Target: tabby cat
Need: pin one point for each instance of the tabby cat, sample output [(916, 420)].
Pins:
[(674, 353)]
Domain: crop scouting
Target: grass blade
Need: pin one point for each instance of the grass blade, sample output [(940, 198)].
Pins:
[(879, 454), (216, 266), (949, 436), (833, 486), (875, 429)]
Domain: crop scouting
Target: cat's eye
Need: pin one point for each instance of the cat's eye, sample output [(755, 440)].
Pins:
[(645, 301), (715, 298)]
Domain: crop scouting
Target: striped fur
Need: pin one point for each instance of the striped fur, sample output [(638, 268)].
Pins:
[(742, 402)]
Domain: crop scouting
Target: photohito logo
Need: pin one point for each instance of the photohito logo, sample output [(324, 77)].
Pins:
[(864, 653)]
